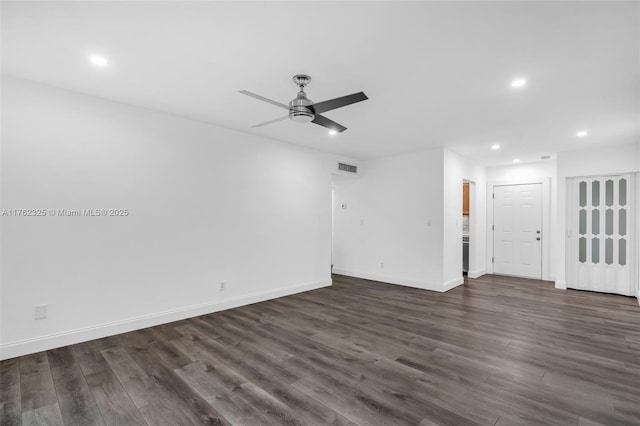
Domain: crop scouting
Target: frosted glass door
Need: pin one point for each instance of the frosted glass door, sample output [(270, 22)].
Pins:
[(601, 230)]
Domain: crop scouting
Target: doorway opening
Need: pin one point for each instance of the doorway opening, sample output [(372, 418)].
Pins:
[(466, 211), (470, 239)]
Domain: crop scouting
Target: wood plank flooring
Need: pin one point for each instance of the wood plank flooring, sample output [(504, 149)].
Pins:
[(496, 351)]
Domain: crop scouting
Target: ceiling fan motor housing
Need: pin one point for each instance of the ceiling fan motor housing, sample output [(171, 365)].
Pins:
[(300, 109)]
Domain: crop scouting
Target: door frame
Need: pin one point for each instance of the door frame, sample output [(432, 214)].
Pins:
[(546, 222)]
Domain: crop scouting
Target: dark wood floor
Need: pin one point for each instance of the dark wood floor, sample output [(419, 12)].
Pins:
[(496, 351)]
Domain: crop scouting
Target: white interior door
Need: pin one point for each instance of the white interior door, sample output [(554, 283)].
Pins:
[(517, 226), (601, 230)]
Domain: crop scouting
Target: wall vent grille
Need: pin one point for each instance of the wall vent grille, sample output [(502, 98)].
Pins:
[(347, 168)]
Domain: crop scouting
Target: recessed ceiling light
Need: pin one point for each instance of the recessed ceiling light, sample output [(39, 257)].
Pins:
[(519, 82), (516, 160), (333, 132), (99, 61), (495, 146), (582, 133)]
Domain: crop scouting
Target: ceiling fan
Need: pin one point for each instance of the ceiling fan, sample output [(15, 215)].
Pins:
[(303, 110)]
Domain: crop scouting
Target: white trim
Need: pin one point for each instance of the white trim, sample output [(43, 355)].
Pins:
[(476, 274), (422, 285), (453, 283), (546, 221), (56, 340), (561, 285), (387, 279)]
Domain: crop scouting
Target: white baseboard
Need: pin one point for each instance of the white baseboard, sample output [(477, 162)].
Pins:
[(423, 285), (476, 274), (51, 341), (453, 283), (562, 285)]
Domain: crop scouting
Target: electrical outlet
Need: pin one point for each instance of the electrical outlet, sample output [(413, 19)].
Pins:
[(222, 286), (41, 311), (381, 265)]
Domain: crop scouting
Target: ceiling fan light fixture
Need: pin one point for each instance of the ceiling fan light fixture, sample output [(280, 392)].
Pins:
[(299, 116), (300, 110)]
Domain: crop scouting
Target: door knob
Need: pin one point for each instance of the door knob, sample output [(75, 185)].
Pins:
[(537, 232)]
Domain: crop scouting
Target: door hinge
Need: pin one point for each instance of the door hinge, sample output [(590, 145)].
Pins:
[(493, 195), (492, 261), (493, 227)]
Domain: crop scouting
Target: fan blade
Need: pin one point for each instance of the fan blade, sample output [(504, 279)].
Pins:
[(262, 98), (325, 106), (271, 121), (323, 121)]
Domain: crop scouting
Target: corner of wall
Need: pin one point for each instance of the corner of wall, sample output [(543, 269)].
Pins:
[(453, 283), (477, 273)]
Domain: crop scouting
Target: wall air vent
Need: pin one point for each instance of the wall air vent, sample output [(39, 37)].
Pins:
[(347, 168)]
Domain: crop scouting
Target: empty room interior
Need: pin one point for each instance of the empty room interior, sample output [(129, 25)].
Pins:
[(320, 213)]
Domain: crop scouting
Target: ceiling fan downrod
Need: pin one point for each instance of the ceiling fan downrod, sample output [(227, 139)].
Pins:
[(300, 109)]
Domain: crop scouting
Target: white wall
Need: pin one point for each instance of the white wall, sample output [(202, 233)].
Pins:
[(206, 205), (610, 160), (403, 220), (394, 217), (457, 169), (543, 171)]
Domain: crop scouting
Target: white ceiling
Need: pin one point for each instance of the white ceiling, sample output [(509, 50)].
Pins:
[(436, 73)]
